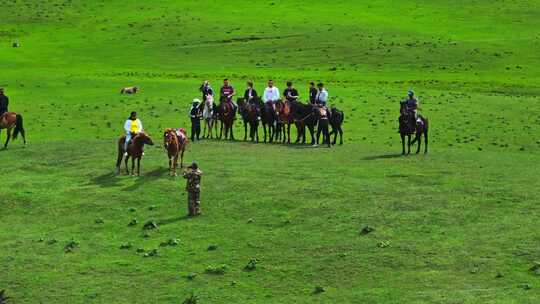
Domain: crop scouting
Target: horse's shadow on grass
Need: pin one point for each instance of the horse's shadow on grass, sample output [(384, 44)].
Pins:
[(147, 177), (384, 156), (173, 220), (105, 180)]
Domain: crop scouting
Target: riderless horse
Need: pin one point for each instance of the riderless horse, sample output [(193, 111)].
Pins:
[(12, 121), (250, 112), (175, 142)]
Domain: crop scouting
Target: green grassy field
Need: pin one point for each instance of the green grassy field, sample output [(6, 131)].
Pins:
[(459, 225)]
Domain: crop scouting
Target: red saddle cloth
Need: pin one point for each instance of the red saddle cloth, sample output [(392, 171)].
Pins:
[(181, 134)]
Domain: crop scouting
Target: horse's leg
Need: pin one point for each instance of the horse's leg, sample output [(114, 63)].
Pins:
[(170, 164), (312, 134), (257, 131), (232, 130), (340, 130), (288, 133), (419, 138), (409, 143), (126, 163), (182, 158), (119, 160), (133, 166), (8, 137), (264, 132), (403, 143), (334, 132), (138, 166), (175, 164), (425, 141), (245, 130)]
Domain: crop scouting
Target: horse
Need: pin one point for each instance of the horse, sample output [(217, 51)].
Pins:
[(227, 117), (336, 120), (129, 90), (250, 116), (209, 116), (283, 110), (134, 150), (304, 116), (408, 125), (175, 142), (322, 125), (12, 121), (268, 119)]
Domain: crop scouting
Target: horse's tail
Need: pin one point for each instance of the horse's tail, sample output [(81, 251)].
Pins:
[(19, 128)]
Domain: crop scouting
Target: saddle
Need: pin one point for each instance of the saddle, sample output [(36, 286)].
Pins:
[(181, 135)]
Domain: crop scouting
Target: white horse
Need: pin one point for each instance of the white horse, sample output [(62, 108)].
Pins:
[(209, 116)]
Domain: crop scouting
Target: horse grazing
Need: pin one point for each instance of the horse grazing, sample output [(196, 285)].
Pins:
[(175, 142), (227, 116), (209, 116), (284, 119), (408, 125), (135, 151), (250, 112), (336, 120), (268, 119), (129, 90), (304, 116), (12, 121)]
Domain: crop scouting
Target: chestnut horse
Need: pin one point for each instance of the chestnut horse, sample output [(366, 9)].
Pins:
[(135, 151), (9, 121), (284, 118), (227, 117), (408, 125), (175, 142)]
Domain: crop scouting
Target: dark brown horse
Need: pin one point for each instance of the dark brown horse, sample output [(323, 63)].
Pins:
[(304, 116), (135, 151), (268, 119), (336, 120), (227, 116), (250, 112), (12, 121), (408, 125), (284, 121), (175, 142)]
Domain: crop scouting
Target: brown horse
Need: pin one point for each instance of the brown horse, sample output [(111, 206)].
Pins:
[(408, 125), (227, 116), (135, 151), (250, 112), (12, 121), (175, 142), (284, 118)]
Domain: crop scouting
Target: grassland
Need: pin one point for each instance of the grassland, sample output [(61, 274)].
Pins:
[(458, 225)]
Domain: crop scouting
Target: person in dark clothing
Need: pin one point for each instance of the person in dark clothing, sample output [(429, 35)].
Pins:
[(312, 93), (4, 102), (206, 90), (250, 92), (290, 93), (195, 115)]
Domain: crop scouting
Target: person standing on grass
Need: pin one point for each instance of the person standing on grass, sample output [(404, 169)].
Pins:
[(290, 93), (227, 92), (322, 95), (132, 127), (195, 115), (312, 93), (271, 94), (4, 102), (193, 187)]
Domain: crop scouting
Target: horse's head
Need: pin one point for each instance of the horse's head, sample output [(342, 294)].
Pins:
[(145, 139), (168, 136)]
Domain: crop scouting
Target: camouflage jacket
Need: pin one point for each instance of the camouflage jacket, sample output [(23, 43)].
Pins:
[(193, 180)]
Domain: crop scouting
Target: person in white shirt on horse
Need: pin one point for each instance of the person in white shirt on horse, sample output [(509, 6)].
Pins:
[(132, 126), (271, 94)]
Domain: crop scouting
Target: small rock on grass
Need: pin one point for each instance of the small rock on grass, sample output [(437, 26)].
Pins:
[(216, 269), (71, 245), (383, 244), (133, 222), (366, 230), (251, 265), (318, 289), (170, 242), (126, 246), (151, 253), (191, 276), (150, 225), (212, 247), (99, 221)]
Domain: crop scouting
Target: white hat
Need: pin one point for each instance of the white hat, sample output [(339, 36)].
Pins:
[(196, 100)]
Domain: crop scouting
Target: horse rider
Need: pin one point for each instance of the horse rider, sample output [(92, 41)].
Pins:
[(322, 95), (132, 126), (228, 92), (312, 93), (271, 94), (4, 102), (193, 187), (195, 115), (412, 105), (206, 90), (250, 93), (290, 93)]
